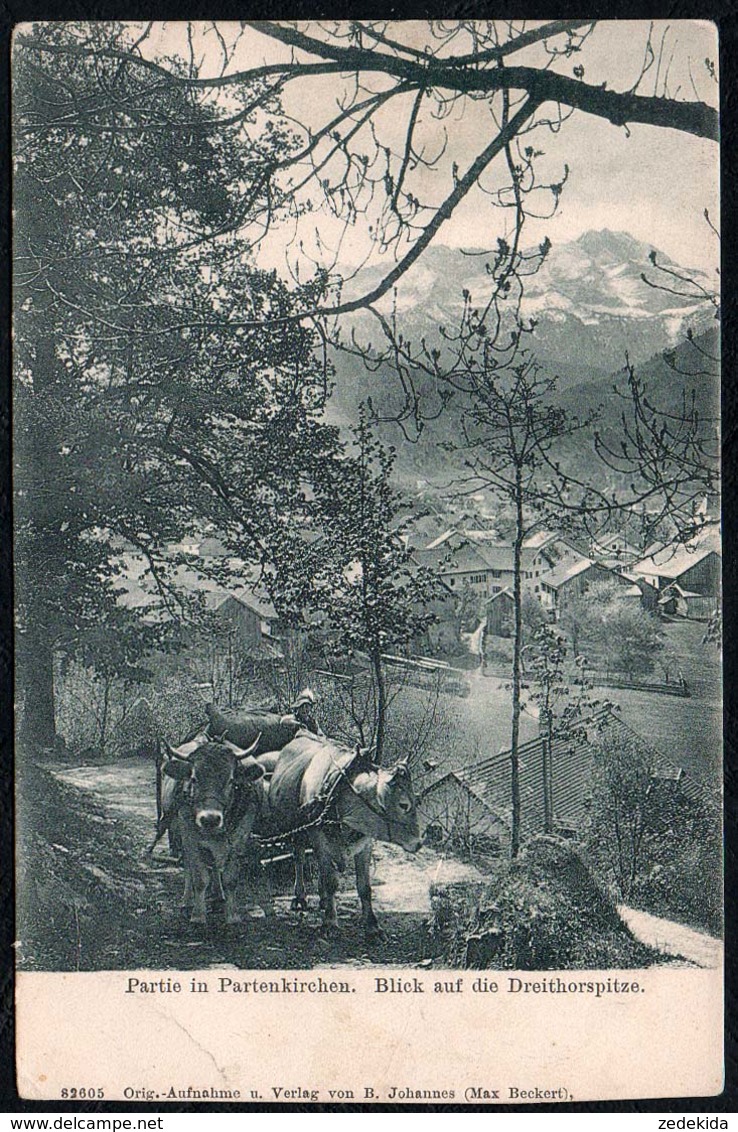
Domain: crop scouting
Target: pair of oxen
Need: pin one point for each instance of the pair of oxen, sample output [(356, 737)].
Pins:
[(278, 778)]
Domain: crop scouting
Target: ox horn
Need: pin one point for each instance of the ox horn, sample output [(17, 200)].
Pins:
[(239, 752), (367, 755)]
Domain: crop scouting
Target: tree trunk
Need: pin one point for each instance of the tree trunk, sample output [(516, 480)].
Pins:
[(36, 665), (546, 771), (516, 672), (381, 705), (38, 726)]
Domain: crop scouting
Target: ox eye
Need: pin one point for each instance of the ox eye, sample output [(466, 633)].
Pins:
[(404, 805)]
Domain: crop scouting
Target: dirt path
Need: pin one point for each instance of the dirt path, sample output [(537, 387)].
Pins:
[(157, 935), (272, 935), (672, 938)]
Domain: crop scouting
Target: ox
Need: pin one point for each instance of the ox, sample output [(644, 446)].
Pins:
[(356, 802), (211, 805), (274, 731)]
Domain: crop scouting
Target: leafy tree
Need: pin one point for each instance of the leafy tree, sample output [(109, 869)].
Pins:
[(143, 410), (561, 695), (622, 634), (654, 835), (534, 617), (509, 428), (622, 815), (374, 595)]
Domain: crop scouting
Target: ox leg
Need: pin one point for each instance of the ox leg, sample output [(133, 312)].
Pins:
[(299, 900), (175, 842), (230, 879), (362, 864), (234, 867), (187, 894), (200, 882), (197, 876), (328, 881)]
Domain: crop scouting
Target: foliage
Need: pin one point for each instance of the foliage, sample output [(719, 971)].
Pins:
[(620, 634), (622, 815), (373, 594), (657, 843), (534, 616), (543, 911), (145, 405)]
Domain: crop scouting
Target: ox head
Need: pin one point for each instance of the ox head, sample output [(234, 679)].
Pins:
[(395, 796), (211, 774), (393, 801)]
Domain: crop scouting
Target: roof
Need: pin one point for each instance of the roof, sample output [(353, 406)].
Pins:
[(139, 591), (507, 592), (605, 542), (539, 539), (497, 555), (674, 560), (465, 558), (441, 539), (564, 573), (572, 761), (630, 591), (674, 588)]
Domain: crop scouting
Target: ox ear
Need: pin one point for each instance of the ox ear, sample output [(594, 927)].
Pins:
[(250, 770), (179, 769)]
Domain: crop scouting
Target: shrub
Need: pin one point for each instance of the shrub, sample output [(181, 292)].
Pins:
[(543, 911)]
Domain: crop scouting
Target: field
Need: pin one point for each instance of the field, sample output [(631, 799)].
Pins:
[(687, 731)]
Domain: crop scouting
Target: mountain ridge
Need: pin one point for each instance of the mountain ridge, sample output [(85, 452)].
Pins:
[(591, 308)]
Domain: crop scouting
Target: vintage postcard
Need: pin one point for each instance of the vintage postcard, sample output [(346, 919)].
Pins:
[(368, 561)]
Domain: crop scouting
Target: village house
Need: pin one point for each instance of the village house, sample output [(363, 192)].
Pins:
[(553, 570), (614, 550), (571, 580), (479, 560), (500, 613), (469, 806), (687, 577), (240, 609), (461, 560)]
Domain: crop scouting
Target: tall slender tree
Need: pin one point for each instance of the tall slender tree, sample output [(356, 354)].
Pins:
[(377, 598)]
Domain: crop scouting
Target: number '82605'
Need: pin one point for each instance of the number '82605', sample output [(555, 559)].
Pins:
[(74, 1094)]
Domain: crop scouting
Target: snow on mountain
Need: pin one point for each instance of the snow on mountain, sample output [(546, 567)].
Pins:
[(589, 300)]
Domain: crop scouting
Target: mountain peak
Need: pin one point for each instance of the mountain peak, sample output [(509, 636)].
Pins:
[(614, 246)]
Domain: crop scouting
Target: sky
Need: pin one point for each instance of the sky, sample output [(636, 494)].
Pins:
[(654, 183)]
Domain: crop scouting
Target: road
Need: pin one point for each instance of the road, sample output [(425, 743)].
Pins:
[(274, 936)]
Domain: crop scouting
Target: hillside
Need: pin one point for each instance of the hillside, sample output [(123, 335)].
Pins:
[(591, 308)]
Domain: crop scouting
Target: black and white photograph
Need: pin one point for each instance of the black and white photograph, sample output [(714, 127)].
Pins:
[(366, 396)]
